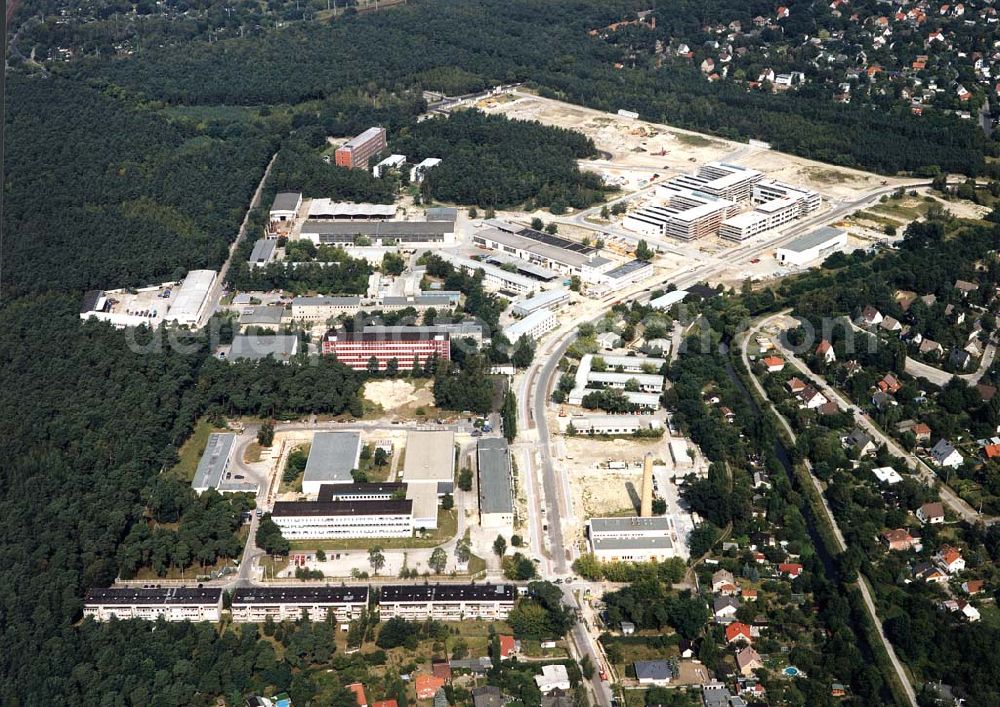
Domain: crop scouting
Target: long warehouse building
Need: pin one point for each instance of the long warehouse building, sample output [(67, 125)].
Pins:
[(496, 486), (332, 457)]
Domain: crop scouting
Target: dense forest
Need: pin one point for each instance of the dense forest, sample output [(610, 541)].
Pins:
[(89, 422), (499, 163), (99, 193), (548, 46)]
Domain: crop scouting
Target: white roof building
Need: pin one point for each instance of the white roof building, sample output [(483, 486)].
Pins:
[(192, 298)]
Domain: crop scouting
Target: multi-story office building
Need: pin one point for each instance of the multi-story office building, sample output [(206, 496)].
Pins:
[(447, 602), (536, 324), (256, 604), (682, 213), (315, 520), (170, 603), (357, 349), (383, 491), (356, 152)]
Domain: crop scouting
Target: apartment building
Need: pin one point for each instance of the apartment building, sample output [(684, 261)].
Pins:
[(150, 604), (256, 604), (357, 349), (447, 602)]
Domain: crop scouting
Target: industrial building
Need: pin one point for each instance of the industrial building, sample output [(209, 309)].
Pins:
[(329, 210), (390, 162), (430, 458), (285, 207), (632, 364), (213, 470), (496, 488), (494, 277), (613, 424), (332, 457), (316, 520), (559, 254), (253, 347), (535, 325), (380, 233), (669, 299), (550, 299), (588, 380), (262, 316), (150, 604), (257, 604), (619, 277), (631, 539), (357, 349), (356, 152), (263, 252), (191, 302), (812, 246), (447, 602), (321, 309)]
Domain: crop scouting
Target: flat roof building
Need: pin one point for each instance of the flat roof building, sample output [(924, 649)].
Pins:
[(535, 325), (317, 520), (332, 456), (254, 347), (256, 604), (356, 152), (812, 246), (286, 206), (263, 252), (614, 424), (263, 316), (379, 491), (552, 252), (390, 162), (150, 604), (631, 539), (494, 277), (322, 309), (447, 602), (381, 233), (455, 331), (496, 489), (550, 299), (330, 210), (420, 169), (192, 299), (430, 456), (213, 470)]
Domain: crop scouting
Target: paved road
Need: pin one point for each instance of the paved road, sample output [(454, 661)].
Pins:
[(925, 473), (865, 589), (919, 369)]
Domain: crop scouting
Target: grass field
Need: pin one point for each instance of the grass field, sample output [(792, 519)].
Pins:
[(191, 451)]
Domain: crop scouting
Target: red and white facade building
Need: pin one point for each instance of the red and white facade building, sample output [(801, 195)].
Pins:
[(356, 349)]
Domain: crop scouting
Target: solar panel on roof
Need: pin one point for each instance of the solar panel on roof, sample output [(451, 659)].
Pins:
[(556, 241)]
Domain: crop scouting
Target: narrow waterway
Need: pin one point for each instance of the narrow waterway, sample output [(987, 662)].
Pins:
[(784, 458)]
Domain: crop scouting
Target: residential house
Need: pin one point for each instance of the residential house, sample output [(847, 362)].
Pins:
[(553, 677), (869, 317), (812, 399), (986, 392), (654, 672), (795, 385), (973, 586), (965, 287), (359, 693), (949, 559), (748, 660), (428, 685), (889, 384), (722, 578), (725, 609), (944, 454), (860, 442), (929, 347), (738, 631), (825, 351), (774, 364), (900, 540), (929, 572), (887, 475), (508, 647), (628, 628), (790, 569), (961, 606), (890, 324), (931, 513), (488, 696), (959, 358)]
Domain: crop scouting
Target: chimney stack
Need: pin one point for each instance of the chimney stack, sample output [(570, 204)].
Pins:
[(646, 504)]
